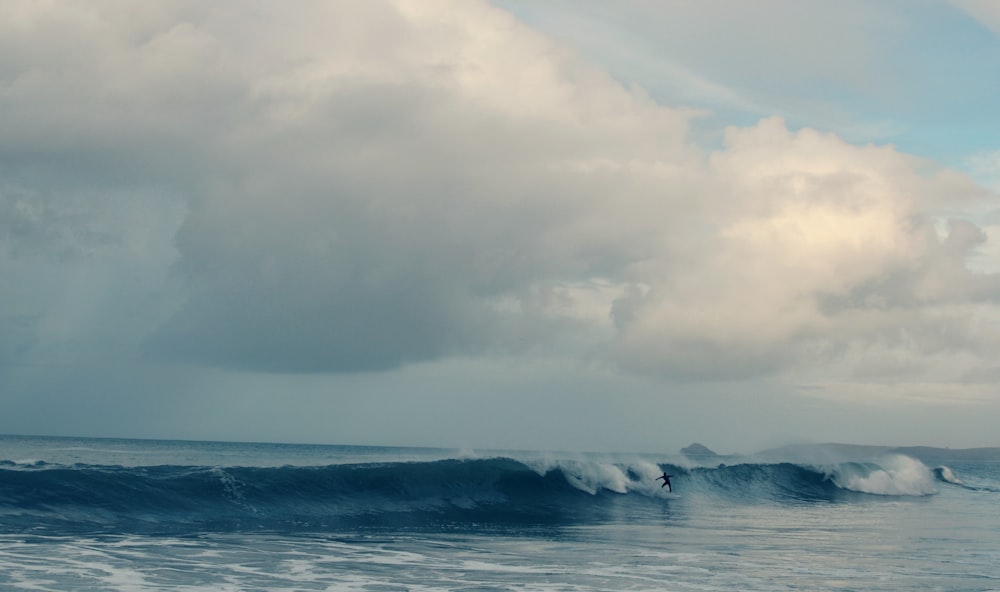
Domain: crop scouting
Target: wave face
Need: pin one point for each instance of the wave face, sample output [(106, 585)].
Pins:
[(54, 499)]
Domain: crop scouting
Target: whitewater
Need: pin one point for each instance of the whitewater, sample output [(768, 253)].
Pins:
[(144, 515)]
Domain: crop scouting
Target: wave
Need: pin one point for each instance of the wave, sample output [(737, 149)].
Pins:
[(946, 475), (897, 475), (41, 497)]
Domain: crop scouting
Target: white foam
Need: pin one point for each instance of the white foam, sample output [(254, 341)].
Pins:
[(897, 475), (948, 475), (593, 476)]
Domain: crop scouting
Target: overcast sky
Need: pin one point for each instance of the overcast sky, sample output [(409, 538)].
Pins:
[(564, 225)]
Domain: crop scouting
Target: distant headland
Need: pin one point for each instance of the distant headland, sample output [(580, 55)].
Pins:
[(923, 453), (814, 452)]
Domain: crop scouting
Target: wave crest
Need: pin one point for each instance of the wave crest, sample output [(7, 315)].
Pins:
[(897, 475), (456, 491), (593, 477)]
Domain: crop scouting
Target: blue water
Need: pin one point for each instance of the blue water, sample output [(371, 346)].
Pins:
[(137, 515)]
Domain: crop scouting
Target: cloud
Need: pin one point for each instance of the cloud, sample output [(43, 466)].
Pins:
[(370, 186), (812, 63), (429, 197), (814, 245), (984, 11)]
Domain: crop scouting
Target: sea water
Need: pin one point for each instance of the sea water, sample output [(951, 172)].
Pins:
[(138, 515)]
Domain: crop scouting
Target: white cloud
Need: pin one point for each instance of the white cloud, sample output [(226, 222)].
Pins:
[(984, 11), (834, 66), (812, 245), (372, 185)]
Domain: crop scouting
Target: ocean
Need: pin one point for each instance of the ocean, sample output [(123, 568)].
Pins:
[(80, 514)]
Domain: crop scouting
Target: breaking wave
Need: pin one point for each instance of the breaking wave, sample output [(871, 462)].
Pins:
[(41, 497), (897, 475)]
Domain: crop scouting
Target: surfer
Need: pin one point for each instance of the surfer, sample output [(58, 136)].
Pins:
[(666, 482)]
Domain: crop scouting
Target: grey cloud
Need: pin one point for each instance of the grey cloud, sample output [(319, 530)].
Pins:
[(388, 186), (392, 223), (32, 224)]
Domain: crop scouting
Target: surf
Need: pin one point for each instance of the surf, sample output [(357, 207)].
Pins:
[(38, 496)]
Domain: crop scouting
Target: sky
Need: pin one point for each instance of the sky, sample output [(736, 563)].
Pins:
[(569, 225)]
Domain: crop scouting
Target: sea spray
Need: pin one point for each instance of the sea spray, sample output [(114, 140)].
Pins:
[(593, 476), (895, 475)]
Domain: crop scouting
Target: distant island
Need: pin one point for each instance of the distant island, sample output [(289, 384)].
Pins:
[(697, 449)]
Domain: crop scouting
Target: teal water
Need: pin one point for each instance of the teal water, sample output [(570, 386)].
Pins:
[(136, 515)]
